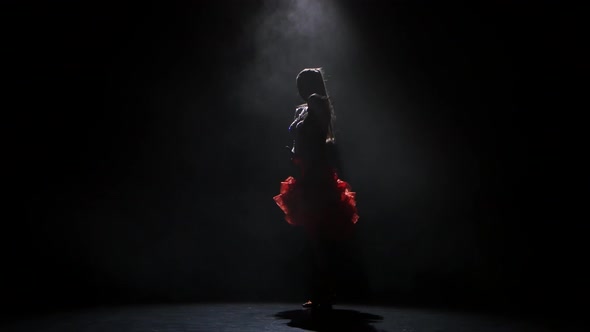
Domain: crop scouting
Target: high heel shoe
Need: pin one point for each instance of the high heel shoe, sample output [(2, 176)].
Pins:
[(308, 304)]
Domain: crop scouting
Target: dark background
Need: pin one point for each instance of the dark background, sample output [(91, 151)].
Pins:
[(143, 143)]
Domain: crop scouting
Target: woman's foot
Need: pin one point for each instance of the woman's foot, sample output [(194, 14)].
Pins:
[(317, 306), (308, 304)]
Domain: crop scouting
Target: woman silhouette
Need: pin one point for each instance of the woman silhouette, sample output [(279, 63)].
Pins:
[(316, 198)]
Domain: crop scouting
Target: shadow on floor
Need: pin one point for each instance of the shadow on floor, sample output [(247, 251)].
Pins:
[(334, 320)]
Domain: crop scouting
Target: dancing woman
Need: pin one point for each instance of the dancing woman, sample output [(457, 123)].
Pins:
[(316, 198)]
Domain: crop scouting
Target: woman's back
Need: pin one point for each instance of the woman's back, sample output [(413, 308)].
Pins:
[(309, 130)]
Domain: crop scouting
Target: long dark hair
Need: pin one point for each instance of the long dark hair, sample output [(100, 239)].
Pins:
[(311, 81)]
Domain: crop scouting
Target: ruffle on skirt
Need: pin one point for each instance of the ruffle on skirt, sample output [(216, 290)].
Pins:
[(332, 216)]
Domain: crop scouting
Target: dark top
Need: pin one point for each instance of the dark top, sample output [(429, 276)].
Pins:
[(311, 153)]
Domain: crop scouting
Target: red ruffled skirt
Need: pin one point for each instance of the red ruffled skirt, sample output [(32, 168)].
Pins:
[(327, 210)]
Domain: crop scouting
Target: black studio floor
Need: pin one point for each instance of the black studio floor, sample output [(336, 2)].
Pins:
[(270, 317)]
